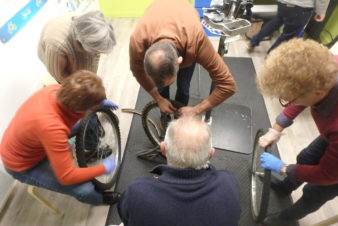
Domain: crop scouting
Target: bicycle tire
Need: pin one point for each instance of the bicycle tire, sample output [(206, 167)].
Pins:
[(102, 147), (260, 183), (148, 121)]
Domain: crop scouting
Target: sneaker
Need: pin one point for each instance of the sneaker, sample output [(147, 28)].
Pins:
[(250, 48), (110, 198)]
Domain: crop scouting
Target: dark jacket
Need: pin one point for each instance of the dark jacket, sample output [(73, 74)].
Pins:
[(182, 197)]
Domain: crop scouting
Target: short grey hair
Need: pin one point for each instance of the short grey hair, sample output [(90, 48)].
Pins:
[(160, 61), (94, 33), (188, 143)]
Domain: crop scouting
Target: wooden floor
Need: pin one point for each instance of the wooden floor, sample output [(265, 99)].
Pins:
[(122, 88)]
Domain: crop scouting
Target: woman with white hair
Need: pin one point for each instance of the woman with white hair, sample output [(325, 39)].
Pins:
[(69, 43)]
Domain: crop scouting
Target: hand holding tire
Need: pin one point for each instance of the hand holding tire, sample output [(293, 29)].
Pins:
[(166, 106), (109, 104), (270, 137), (109, 164), (271, 162)]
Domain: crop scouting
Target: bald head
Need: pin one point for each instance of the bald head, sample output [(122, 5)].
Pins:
[(188, 143), (160, 62)]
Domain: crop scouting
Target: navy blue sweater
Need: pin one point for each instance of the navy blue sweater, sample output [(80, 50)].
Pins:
[(182, 197)]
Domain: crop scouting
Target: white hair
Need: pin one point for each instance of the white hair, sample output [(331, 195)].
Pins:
[(94, 33), (188, 143)]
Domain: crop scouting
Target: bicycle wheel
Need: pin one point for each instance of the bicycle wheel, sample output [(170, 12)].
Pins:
[(260, 183), (97, 139), (154, 122)]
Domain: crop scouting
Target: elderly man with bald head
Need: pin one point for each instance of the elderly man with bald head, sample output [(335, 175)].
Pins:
[(186, 191)]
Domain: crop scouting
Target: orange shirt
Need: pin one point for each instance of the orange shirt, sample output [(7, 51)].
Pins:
[(40, 129), (178, 21)]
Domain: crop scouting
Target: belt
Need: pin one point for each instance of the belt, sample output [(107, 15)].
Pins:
[(290, 5)]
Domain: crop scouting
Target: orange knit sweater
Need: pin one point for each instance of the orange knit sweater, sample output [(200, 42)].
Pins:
[(40, 129)]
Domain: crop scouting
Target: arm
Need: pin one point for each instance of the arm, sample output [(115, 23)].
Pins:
[(325, 172), (55, 142), (283, 120), (225, 85), (136, 57), (122, 207), (320, 8), (56, 64)]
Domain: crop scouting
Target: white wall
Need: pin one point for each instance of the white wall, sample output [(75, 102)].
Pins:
[(334, 49), (21, 71)]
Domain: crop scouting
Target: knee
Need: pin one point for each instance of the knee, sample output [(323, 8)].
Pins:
[(316, 194), (86, 193)]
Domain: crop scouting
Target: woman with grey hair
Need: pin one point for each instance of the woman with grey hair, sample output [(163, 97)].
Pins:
[(69, 43)]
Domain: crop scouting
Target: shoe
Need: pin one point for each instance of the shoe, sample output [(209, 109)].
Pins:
[(250, 48), (275, 220), (278, 186), (110, 198)]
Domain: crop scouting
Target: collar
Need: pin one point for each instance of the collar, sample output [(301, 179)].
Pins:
[(74, 42), (172, 43), (177, 51), (183, 176), (328, 104)]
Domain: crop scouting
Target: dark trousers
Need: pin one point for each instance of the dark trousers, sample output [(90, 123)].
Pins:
[(184, 76), (314, 196), (294, 20)]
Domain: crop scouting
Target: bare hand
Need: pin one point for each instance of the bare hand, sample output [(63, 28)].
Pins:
[(319, 17), (166, 106), (187, 111)]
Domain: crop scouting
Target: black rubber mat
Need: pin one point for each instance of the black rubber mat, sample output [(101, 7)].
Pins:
[(240, 163)]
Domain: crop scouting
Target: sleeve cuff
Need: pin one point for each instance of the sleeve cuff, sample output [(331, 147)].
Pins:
[(291, 172), (283, 121)]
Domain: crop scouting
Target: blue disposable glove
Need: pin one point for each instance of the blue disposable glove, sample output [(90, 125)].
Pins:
[(109, 164), (271, 162), (109, 104)]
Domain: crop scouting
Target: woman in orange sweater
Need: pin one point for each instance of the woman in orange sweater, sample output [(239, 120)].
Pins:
[(34, 147)]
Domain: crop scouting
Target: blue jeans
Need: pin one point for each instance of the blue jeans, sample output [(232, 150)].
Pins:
[(314, 196), (294, 20), (42, 175), (184, 76)]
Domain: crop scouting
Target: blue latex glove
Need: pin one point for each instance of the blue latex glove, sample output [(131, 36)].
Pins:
[(271, 162), (109, 164), (109, 104)]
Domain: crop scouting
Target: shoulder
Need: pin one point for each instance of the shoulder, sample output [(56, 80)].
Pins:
[(56, 32), (225, 177), (141, 186)]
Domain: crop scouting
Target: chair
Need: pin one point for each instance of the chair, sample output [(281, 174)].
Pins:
[(32, 191)]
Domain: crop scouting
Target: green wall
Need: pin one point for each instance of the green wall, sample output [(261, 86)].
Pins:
[(124, 8), (330, 30)]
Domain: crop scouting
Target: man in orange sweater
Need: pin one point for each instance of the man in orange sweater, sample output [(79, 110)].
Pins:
[(34, 147), (164, 47)]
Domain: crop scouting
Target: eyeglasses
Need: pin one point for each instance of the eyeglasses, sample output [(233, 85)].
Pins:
[(285, 103)]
